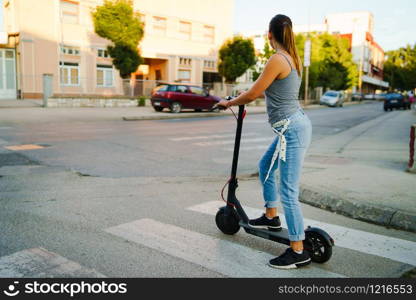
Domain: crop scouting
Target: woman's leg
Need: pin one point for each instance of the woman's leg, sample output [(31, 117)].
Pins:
[(270, 186), (298, 140)]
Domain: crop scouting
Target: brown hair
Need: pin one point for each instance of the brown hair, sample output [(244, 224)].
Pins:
[(281, 28)]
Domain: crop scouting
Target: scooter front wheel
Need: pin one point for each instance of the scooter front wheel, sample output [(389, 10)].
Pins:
[(227, 220), (320, 250)]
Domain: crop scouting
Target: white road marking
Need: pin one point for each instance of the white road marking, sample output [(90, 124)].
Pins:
[(231, 141), (380, 245), (38, 262), (206, 137), (222, 256)]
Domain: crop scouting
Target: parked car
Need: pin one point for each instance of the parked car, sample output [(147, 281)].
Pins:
[(332, 98), (395, 100), (369, 96), (381, 96), (357, 96), (177, 96)]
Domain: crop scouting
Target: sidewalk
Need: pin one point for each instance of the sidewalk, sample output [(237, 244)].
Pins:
[(360, 172)]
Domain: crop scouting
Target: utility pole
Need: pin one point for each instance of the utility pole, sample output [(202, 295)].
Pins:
[(306, 63)]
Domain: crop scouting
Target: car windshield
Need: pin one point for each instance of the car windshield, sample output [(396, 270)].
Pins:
[(161, 88), (331, 94)]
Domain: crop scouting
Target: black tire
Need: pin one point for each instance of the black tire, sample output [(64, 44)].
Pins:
[(158, 108), (228, 223), (175, 107), (318, 247), (385, 109)]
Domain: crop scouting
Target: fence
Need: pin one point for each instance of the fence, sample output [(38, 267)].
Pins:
[(115, 87)]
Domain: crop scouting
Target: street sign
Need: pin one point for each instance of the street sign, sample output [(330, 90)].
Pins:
[(307, 54)]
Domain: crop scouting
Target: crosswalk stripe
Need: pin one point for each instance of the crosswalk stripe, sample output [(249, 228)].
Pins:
[(222, 256), (215, 143), (206, 137), (389, 247), (39, 262)]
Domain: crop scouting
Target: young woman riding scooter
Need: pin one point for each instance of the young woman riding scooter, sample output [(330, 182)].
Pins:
[(280, 82)]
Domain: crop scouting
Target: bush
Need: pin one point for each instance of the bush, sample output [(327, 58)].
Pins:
[(141, 101)]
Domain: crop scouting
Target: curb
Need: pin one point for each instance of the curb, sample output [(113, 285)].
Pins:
[(363, 211)]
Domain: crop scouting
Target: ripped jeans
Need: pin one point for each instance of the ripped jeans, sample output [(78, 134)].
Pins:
[(297, 138)]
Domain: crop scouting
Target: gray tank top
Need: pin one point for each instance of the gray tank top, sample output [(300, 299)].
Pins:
[(282, 96)]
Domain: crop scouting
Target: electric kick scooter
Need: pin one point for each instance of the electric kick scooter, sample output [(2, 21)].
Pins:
[(231, 217)]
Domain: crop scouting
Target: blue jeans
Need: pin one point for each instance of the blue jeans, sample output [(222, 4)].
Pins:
[(298, 138)]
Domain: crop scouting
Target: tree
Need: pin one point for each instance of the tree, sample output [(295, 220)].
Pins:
[(400, 68), (116, 21), (332, 65), (263, 57), (236, 56)]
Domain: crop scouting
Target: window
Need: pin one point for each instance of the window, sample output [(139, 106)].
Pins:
[(69, 11), (185, 30), (209, 64), (197, 90), (181, 89), (104, 76), (70, 50), (159, 25), (69, 73), (102, 53), (184, 75), (209, 34), (186, 62)]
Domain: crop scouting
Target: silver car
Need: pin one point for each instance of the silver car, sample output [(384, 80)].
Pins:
[(332, 98)]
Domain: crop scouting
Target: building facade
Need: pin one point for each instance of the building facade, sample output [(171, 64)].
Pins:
[(180, 43), (358, 28)]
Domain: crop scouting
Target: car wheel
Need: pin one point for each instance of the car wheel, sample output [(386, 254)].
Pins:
[(175, 107), (158, 108), (385, 109)]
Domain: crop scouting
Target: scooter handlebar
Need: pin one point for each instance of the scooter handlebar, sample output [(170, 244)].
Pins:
[(220, 107)]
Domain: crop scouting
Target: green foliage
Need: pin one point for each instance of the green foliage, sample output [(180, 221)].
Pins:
[(235, 57), (400, 68), (116, 21), (125, 59), (331, 61), (141, 101), (263, 57)]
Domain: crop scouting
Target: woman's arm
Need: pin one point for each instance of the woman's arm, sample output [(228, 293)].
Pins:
[(272, 70)]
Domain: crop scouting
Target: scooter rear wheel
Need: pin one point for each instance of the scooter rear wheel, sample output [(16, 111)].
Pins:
[(318, 247), (227, 221)]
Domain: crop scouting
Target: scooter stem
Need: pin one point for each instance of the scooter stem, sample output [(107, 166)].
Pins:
[(237, 141)]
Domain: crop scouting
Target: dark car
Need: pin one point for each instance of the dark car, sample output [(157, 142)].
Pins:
[(395, 100), (357, 96), (178, 96)]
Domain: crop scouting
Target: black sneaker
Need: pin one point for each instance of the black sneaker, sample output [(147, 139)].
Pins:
[(264, 222), (291, 260)]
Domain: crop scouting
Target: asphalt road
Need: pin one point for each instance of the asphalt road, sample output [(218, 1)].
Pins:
[(176, 147), (145, 210)]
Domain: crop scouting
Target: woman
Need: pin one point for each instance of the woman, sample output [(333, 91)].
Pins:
[(280, 82)]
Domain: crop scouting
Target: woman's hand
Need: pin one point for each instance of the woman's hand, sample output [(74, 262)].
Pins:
[(224, 103)]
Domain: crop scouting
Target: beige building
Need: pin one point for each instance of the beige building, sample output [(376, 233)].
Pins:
[(181, 41)]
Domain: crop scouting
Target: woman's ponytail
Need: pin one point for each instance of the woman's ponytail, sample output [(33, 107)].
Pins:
[(281, 29)]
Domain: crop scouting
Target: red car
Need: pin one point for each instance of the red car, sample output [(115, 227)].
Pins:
[(177, 96)]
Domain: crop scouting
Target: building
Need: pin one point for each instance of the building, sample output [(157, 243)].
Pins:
[(57, 37), (358, 28)]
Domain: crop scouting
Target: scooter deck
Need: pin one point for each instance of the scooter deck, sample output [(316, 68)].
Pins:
[(276, 236)]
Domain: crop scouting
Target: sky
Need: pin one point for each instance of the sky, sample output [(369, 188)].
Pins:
[(394, 21)]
